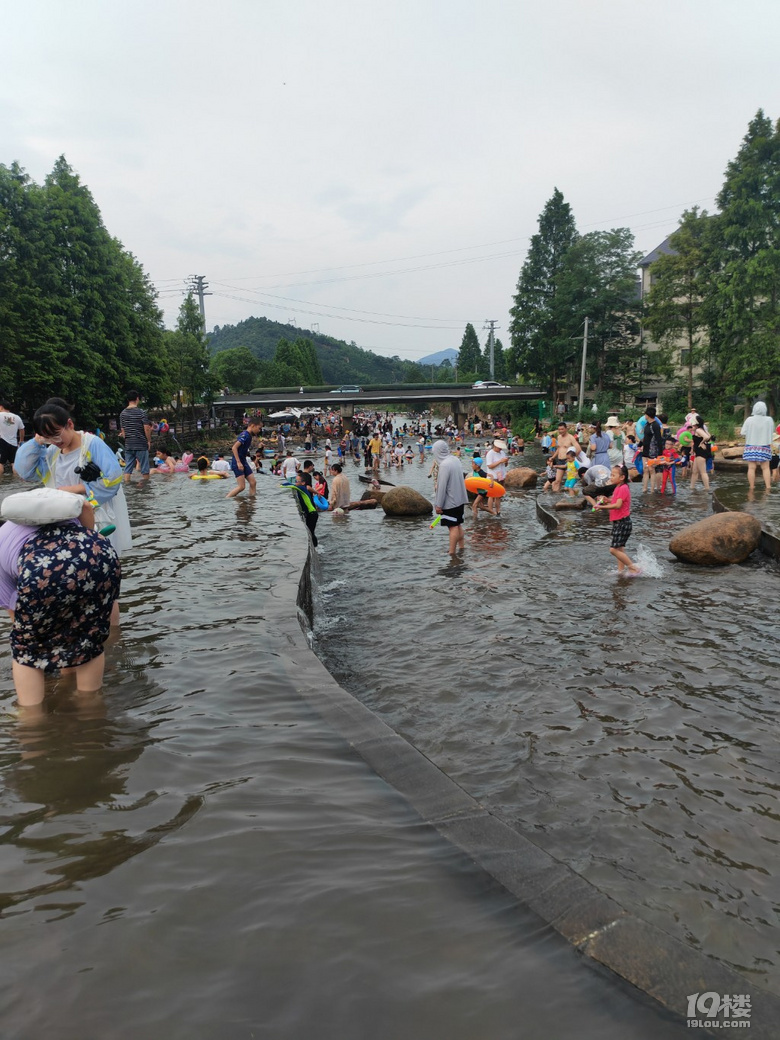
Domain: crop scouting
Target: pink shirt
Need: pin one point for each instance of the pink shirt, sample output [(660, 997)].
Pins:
[(620, 503)]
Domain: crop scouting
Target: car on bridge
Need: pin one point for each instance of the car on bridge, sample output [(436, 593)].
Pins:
[(488, 384), (346, 390)]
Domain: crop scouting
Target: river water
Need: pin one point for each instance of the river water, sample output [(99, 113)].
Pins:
[(193, 853), (627, 726)]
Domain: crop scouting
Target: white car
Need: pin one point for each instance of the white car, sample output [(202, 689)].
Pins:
[(488, 384), (347, 390)]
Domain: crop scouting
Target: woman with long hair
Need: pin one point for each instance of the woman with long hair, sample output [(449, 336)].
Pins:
[(702, 452)]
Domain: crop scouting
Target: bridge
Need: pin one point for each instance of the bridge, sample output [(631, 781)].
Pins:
[(457, 397)]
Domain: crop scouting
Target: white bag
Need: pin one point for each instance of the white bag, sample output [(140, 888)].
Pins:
[(41, 506)]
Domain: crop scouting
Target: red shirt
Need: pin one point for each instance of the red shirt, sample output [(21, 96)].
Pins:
[(620, 503)]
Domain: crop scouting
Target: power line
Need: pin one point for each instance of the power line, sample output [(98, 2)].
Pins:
[(459, 249), (354, 310), (344, 317)]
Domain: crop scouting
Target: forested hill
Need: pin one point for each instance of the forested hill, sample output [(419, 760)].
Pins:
[(340, 362)]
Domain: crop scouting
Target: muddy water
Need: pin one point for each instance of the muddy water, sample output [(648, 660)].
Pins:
[(629, 727), (194, 854)]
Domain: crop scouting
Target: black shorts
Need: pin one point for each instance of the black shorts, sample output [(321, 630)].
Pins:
[(7, 452), (621, 532), (452, 516)]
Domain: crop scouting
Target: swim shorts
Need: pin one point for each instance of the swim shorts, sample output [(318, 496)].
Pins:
[(621, 532), (453, 517)]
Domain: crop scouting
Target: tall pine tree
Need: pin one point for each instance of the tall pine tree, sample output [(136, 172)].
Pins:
[(538, 330), (746, 296), (470, 355)]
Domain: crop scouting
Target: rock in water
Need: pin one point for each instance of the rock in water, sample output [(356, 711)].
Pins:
[(377, 496), (520, 477), (572, 503), (405, 501), (717, 540)]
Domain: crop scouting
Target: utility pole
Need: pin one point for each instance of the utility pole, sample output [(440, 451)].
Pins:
[(582, 372), (199, 285), (490, 323)]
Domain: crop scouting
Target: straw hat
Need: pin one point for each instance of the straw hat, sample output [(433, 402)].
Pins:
[(501, 445), (612, 422)]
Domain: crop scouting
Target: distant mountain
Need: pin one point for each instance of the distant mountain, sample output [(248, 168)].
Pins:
[(340, 362), (440, 356)]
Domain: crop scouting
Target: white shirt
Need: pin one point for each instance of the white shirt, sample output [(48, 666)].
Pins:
[(10, 425), (289, 468), (491, 458), (220, 466)]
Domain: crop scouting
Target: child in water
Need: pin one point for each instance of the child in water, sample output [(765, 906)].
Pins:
[(481, 500), (571, 472), (619, 507), (550, 474)]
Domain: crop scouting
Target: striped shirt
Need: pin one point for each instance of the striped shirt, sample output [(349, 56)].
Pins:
[(132, 421)]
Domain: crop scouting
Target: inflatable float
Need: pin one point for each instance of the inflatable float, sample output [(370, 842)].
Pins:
[(208, 476), (491, 487)]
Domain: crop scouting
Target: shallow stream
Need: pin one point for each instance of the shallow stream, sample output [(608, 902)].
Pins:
[(194, 854), (628, 726)]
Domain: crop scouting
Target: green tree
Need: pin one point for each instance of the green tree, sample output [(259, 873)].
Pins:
[(236, 368), (538, 329), (746, 293), (188, 358), (311, 372), (77, 314), (678, 305), (598, 280), (470, 355), (499, 361)]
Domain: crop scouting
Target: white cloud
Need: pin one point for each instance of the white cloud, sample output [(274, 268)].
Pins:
[(248, 142)]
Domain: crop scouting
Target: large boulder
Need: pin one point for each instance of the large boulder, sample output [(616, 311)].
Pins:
[(520, 477), (733, 453), (717, 540), (405, 501)]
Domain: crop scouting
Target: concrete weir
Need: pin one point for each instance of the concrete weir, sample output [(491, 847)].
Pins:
[(733, 500), (658, 964)]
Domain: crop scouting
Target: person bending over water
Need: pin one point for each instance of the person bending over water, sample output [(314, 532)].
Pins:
[(59, 581)]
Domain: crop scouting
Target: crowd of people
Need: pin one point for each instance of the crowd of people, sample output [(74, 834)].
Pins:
[(60, 570), (578, 455)]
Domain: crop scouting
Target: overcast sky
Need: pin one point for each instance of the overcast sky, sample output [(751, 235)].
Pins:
[(376, 169)]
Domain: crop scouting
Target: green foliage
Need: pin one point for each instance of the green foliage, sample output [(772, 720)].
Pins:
[(470, 355), (540, 332), (499, 362), (745, 322), (523, 428), (678, 305), (598, 280), (236, 368), (333, 361), (188, 361), (78, 316)]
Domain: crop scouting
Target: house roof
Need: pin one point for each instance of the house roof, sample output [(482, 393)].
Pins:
[(664, 249)]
